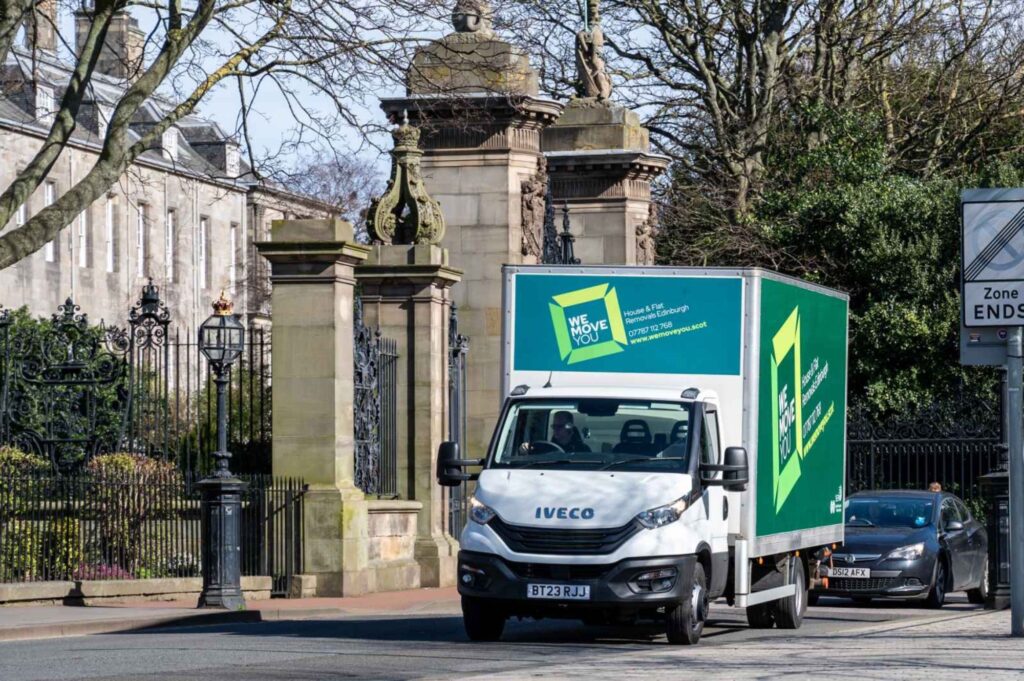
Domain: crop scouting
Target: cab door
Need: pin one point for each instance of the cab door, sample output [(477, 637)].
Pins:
[(714, 495), (956, 545)]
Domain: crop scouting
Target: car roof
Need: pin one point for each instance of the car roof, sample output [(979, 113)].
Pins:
[(906, 493)]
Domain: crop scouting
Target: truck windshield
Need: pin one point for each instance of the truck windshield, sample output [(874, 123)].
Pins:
[(595, 434)]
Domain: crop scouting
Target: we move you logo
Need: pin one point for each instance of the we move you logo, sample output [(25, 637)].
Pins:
[(588, 323)]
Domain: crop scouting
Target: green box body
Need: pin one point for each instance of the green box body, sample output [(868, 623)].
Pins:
[(773, 348)]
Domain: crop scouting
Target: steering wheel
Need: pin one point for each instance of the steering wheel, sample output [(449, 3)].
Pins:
[(531, 447)]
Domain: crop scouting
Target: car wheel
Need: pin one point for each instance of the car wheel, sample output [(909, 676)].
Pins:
[(980, 595), (685, 623), (937, 596), (789, 611), (483, 621)]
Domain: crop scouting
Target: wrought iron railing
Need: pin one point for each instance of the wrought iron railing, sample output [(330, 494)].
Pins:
[(116, 523), (951, 443)]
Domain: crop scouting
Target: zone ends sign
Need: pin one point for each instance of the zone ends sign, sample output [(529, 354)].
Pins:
[(992, 263)]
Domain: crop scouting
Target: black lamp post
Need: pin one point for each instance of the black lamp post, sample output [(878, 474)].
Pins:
[(567, 256), (221, 340), (995, 487)]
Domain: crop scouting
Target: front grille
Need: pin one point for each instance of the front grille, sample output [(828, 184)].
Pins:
[(559, 572), (547, 541), (851, 584)]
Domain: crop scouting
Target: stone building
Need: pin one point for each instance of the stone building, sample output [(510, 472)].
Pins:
[(185, 214)]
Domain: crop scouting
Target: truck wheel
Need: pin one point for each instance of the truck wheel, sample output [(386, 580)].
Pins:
[(789, 611), (685, 622), (482, 620), (761, 616)]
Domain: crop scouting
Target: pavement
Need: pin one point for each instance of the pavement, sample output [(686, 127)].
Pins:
[(52, 621), (418, 635)]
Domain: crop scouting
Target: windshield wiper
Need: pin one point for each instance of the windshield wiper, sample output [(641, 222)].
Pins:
[(639, 459), (529, 464)]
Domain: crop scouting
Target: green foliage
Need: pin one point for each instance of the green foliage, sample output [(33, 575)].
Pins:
[(126, 492), (20, 551), (62, 548), (839, 211)]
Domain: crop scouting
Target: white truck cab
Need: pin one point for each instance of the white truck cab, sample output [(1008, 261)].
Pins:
[(610, 495)]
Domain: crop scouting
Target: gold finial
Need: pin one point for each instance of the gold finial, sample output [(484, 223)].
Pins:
[(223, 306)]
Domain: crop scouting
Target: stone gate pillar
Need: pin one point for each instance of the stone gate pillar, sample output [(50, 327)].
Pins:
[(475, 98), (312, 265), (405, 291), (600, 164)]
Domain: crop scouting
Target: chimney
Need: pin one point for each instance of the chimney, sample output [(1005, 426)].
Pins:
[(121, 56), (41, 27)]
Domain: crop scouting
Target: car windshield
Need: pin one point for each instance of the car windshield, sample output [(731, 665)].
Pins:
[(595, 434), (888, 512)]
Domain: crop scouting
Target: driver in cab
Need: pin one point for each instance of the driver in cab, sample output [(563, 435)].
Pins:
[(565, 434)]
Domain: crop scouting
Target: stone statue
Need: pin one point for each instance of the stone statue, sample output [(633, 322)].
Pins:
[(534, 190), (590, 66), (645, 231), (473, 16), (405, 213)]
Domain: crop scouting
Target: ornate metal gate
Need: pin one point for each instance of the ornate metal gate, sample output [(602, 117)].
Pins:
[(375, 415), (60, 380), (458, 349)]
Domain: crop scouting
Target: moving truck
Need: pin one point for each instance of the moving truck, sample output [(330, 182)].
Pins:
[(669, 436)]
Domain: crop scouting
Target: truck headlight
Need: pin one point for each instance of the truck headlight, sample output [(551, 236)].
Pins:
[(912, 552), (480, 512), (663, 515)]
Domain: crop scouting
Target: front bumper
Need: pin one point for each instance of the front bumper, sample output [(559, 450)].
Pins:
[(909, 579), (490, 577)]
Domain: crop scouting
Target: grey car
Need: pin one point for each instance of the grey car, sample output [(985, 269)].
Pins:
[(908, 545)]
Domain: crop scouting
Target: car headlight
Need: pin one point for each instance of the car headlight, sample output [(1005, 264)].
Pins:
[(480, 512), (911, 552), (663, 515)]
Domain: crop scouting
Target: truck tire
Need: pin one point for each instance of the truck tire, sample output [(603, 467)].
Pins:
[(482, 620), (685, 623), (761, 616), (789, 611)]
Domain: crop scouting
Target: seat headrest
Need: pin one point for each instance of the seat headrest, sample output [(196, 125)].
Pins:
[(635, 430)]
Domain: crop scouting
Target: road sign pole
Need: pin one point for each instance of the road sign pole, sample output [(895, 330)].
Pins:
[(1014, 353)]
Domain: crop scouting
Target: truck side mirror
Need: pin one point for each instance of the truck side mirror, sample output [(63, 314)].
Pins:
[(449, 465), (734, 470), (737, 473)]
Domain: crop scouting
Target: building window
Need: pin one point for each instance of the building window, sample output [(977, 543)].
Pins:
[(169, 246), (109, 236), (44, 104), (233, 264), (49, 196), (83, 238), (204, 249), (140, 240)]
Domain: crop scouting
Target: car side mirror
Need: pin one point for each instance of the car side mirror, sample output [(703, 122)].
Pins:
[(734, 468), (449, 466), (954, 526)]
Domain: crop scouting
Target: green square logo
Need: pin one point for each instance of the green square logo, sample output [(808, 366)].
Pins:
[(588, 323)]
